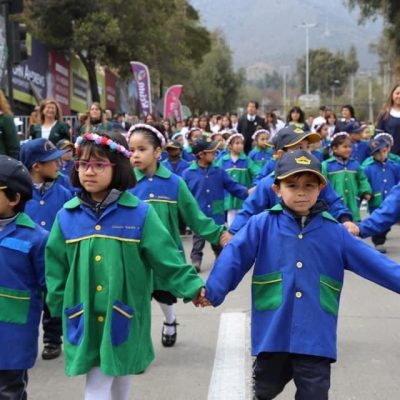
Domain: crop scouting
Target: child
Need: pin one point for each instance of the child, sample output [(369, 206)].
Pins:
[(321, 149), (263, 197), (191, 136), (359, 147), (240, 168), (21, 280), (66, 160), (300, 254), (346, 175), (208, 184), (262, 151), (102, 250), (41, 158), (171, 199), (382, 175), (175, 163)]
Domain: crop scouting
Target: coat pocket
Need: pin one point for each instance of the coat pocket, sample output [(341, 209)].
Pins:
[(267, 291), (14, 305), (75, 324), (121, 323), (329, 294)]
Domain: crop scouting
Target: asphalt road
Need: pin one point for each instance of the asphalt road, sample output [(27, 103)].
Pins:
[(368, 350)]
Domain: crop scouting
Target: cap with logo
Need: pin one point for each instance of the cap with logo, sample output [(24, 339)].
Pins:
[(204, 143), (298, 161), (173, 144), (291, 135), (39, 150), (377, 144)]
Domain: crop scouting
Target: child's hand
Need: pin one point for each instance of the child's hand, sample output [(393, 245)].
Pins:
[(251, 190), (367, 196), (225, 238), (200, 300), (352, 228)]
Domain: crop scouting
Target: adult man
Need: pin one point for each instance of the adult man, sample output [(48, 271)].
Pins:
[(248, 124)]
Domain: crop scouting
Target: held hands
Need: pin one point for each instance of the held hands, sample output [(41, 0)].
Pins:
[(367, 196), (200, 300), (352, 228), (251, 190), (225, 238)]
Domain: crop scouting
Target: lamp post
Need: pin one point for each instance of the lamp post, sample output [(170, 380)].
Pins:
[(335, 83), (284, 68), (307, 27)]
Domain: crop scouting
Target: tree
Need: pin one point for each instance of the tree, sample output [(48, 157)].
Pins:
[(165, 34), (326, 69), (214, 85)]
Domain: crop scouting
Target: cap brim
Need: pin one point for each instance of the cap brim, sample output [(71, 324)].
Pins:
[(312, 137), (213, 146), (52, 156), (303, 169), (173, 147)]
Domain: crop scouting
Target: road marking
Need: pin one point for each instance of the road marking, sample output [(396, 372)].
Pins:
[(228, 376)]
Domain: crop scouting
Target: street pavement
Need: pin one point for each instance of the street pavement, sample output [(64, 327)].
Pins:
[(368, 349)]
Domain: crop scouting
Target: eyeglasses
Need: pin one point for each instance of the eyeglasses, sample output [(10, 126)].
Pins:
[(97, 166)]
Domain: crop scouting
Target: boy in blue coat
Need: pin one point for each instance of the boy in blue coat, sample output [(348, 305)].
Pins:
[(41, 158), (175, 163), (22, 246), (382, 174), (299, 252), (208, 184)]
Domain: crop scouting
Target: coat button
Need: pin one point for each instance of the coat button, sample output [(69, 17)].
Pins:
[(151, 195), (299, 264), (385, 180), (300, 236), (209, 205), (208, 191), (43, 223), (150, 179), (41, 202), (99, 288), (97, 227), (100, 318), (299, 295), (98, 258)]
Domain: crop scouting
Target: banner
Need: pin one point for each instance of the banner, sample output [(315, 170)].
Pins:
[(58, 82), (3, 49), (141, 76), (172, 105)]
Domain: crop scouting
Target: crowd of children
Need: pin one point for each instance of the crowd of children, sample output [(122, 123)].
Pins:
[(81, 225)]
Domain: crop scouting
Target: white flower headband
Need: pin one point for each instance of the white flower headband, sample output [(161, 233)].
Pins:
[(150, 128), (235, 135), (339, 134), (259, 132), (102, 140)]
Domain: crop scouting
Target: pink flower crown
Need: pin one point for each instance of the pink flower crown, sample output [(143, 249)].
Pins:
[(102, 141), (259, 132), (235, 135)]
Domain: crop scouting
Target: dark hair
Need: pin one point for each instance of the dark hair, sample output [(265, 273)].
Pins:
[(274, 119), (323, 108), (12, 196), (298, 110), (154, 140), (350, 108), (204, 117), (256, 105), (123, 176), (338, 140)]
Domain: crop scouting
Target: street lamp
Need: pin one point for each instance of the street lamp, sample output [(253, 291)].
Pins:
[(285, 69), (307, 26), (335, 83)]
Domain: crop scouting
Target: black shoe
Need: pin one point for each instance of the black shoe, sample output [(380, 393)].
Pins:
[(168, 340), (51, 351)]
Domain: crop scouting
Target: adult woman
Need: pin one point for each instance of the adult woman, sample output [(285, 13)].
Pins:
[(9, 143), (348, 118), (296, 117), (51, 125), (96, 121), (273, 124), (204, 124), (225, 123), (389, 117), (331, 121)]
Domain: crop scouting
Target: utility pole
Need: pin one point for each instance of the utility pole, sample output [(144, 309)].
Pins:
[(370, 99), (284, 68)]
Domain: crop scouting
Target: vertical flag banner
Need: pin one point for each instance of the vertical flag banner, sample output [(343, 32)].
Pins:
[(141, 76), (172, 105)]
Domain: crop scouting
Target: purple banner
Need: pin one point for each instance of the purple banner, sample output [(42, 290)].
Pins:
[(141, 76)]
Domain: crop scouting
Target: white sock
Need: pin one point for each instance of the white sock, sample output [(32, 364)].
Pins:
[(98, 385), (121, 387), (169, 317)]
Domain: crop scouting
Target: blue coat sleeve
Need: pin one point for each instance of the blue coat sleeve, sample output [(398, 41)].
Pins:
[(265, 171), (259, 200), (365, 261), (386, 215), (235, 260), (335, 204), (233, 187)]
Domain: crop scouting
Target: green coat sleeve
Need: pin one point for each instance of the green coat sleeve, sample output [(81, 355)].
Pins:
[(57, 268), (324, 169), (194, 218), (35, 131), (59, 131), (363, 184), (254, 169), (10, 137), (159, 252)]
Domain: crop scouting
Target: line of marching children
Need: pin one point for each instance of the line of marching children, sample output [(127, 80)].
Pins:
[(102, 261)]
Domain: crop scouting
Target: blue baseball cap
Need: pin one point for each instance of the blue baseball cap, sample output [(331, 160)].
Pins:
[(291, 135), (39, 150), (378, 144)]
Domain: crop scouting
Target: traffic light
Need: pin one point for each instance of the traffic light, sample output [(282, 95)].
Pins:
[(19, 49)]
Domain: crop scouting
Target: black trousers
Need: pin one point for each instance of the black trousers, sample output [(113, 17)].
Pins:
[(198, 246), (13, 384), (272, 371), (52, 327)]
